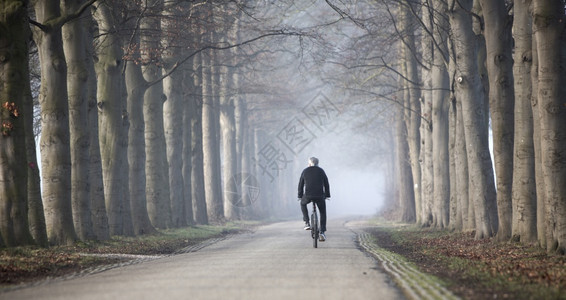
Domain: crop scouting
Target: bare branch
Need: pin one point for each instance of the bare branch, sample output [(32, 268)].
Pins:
[(344, 15), (281, 32), (64, 18)]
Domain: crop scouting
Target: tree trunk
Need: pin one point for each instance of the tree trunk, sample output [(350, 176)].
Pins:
[(249, 188), (228, 128), (424, 217), (210, 145), (501, 101), (14, 76), (482, 189), (462, 171), (405, 179), (96, 195), (74, 43), (172, 117), (54, 145), (173, 110), (197, 170), (524, 185), (228, 125), (456, 211), (187, 115), (542, 221), (136, 87), (157, 171), (36, 217), (440, 105), (113, 118), (412, 118), (426, 157), (548, 21)]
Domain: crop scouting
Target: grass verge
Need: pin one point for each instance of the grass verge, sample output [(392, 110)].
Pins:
[(476, 269), (28, 264)]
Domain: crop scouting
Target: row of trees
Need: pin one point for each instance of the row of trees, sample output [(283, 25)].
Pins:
[(143, 122), (148, 109), (465, 65)]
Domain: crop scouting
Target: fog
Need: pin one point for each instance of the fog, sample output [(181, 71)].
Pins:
[(339, 114), (351, 143), (350, 159)]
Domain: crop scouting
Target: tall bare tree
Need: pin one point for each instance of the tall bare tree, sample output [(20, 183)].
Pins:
[(501, 102), (210, 145), (412, 100), (440, 106), (423, 207), (548, 20), (195, 104), (524, 224), (172, 113), (113, 118), (228, 113), (482, 187), (136, 87), (186, 155), (157, 175), (542, 210), (404, 182), (54, 143), (210, 124), (96, 195), (14, 76), (74, 42)]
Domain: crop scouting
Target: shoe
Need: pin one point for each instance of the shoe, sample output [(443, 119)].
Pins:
[(322, 237), (307, 226)]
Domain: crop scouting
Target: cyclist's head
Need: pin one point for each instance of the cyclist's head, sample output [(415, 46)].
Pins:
[(313, 161)]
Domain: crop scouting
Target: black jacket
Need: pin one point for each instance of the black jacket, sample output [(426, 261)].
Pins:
[(315, 184)]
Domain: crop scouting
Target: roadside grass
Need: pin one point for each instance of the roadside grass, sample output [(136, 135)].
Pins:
[(476, 269), (31, 263)]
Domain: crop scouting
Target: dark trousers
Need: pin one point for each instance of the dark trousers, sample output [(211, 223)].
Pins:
[(321, 204)]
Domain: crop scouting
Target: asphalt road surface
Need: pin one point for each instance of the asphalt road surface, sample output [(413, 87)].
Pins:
[(276, 261)]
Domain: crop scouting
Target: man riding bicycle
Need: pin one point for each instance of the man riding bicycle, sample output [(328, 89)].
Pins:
[(314, 187)]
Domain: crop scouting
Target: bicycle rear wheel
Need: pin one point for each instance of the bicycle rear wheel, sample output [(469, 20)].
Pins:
[(314, 229)]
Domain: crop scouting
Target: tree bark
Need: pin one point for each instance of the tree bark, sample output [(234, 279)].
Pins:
[(157, 174), (524, 185), (548, 21), (542, 209), (228, 129), (36, 217), (74, 43), (14, 25), (412, 117), (187, 115), (228, 121), (54, 143), (423, 207), (482, 189), (113, 118), (172, 110), (405, 179), (136, 87), (211, 155), (96, 195), (501, 102), (197, 170), (172, 117), (440, 105)]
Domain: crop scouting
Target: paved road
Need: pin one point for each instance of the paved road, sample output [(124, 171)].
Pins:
[(273, 262)]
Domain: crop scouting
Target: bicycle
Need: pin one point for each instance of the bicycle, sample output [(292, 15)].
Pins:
[(315, 226)]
